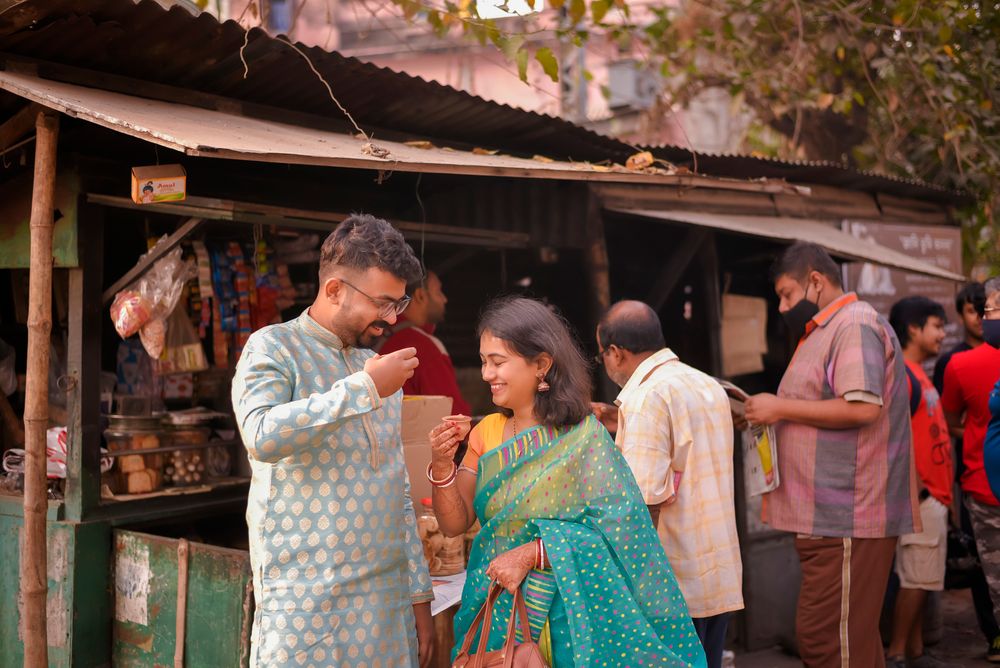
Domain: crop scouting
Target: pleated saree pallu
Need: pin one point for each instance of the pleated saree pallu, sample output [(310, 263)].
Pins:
[(610, 598)]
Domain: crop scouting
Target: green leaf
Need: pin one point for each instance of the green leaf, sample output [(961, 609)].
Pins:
[(548, 62), (599, 8), (944, 33), (522, 65), (588, 75), (577, 10), (511, 46)]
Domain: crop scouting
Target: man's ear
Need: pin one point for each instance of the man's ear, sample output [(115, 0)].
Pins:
[(333, 290), (419, 296)]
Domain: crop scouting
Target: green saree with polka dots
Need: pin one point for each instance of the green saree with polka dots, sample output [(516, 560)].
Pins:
[(610, 597)]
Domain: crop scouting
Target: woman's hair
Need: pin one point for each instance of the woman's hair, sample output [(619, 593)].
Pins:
[(531, 328)]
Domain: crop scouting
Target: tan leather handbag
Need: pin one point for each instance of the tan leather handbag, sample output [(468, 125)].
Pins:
[(512, 654)]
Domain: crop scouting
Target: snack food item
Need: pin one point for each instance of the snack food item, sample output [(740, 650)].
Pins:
[(154, 336), (129, 312)]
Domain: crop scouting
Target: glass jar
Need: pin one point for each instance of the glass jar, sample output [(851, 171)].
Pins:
[(187, 466), (134, 472)]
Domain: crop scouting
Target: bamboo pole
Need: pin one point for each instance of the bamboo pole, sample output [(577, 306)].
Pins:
[(34, 575)]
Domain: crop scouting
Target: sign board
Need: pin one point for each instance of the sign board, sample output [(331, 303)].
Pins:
[(882, 287)]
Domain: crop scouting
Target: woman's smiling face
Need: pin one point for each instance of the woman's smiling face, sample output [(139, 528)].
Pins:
[(513, 379)]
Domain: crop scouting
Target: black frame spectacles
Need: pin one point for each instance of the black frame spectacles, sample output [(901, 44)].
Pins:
[(385, 308), (599, 357)]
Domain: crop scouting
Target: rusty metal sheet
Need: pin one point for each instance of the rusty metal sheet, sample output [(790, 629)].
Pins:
[(211, 133), (219, 603), (790, 230)]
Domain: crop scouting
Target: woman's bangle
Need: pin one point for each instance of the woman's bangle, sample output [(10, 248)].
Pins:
[(448, 480), (540, 559)]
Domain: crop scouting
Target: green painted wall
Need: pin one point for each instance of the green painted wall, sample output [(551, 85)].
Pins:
[(78, 608)]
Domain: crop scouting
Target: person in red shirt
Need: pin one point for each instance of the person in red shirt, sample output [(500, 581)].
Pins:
[(968, 381), (415, 329), (920, 557)]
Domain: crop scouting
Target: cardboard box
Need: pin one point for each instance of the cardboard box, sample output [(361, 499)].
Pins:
[(420, 415), (158, 183)]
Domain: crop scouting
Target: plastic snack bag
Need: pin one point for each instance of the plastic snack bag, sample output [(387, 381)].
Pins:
[(183, 352), (145, 304), (129, 312)]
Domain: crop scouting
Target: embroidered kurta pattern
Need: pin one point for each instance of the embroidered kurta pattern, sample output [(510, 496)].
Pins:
[(337, 564)]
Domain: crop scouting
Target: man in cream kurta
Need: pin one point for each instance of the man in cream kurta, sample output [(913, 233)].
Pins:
[(338, 568), (675, 429)]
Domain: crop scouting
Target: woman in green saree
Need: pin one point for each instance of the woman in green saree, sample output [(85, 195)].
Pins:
[(561, 514)]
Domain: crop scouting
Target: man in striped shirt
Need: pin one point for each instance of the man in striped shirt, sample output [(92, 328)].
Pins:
[(848, 483)]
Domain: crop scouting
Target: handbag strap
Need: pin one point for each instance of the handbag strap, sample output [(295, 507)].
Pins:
[(518, 613), (485, 611)]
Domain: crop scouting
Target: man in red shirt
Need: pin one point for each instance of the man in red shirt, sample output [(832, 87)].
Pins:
[(968, 381), (920, 557), (435, 375)]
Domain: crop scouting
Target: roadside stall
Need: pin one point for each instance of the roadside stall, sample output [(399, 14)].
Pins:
[(146, 539)]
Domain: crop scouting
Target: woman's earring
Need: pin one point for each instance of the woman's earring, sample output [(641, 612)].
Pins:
[(542, 385)]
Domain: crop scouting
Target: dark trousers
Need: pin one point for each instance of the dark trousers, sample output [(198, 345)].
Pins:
[(712, 633), (980, 590)]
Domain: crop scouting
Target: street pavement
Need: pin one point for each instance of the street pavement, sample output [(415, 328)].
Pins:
[(961, 642)]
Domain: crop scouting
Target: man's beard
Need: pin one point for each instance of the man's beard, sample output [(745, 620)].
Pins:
[(366, 338)]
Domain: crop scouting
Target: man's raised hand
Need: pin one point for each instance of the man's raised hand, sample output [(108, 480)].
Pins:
[(390, 371)]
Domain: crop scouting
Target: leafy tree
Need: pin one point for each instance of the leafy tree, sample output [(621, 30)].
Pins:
[(905, 87)]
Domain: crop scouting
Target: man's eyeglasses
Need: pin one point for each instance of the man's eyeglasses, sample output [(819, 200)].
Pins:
[(386, 307), (987, 311), (599, 357)]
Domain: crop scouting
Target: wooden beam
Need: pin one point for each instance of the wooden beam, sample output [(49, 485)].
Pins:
[(34, 574), (87, 318), (324, 221), (151, 257), (18, 125), (599, 277), (675, 266), (709, 259), (453, 260)]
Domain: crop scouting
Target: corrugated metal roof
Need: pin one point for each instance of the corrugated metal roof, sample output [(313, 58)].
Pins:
[(217, 134), (144, 41), (772, 227)]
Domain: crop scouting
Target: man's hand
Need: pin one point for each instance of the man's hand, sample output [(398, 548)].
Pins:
[(426, 637), (607, 414), (764, 409), (389, 372)]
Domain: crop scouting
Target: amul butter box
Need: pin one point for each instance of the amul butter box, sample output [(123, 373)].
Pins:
[(158, 183)]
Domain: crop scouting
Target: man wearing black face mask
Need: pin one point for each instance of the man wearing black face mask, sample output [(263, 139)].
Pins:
[(848, 484)]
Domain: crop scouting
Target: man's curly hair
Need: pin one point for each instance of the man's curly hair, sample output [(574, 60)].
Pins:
[(363, 241)]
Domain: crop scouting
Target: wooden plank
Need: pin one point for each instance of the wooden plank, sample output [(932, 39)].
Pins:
[(150, 258), (325, 221), (34, 582), (675, 267), (599, 278), (709, 260), (18, 125), (86, 320)]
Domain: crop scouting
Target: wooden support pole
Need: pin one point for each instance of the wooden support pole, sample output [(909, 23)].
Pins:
[(34, 574), (599, 276)]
